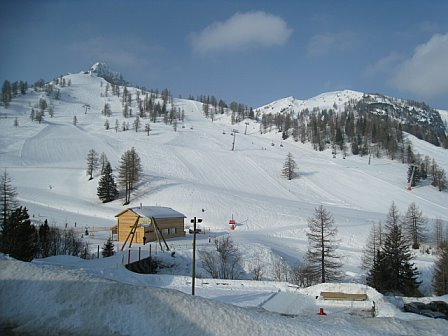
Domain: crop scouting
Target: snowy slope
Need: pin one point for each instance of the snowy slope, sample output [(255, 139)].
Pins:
[(329, 100), (195, 172)]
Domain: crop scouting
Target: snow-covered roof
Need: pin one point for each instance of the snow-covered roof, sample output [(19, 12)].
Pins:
[(157, 212)]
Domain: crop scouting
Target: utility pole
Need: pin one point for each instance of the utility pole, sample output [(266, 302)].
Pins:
[(193, 268), (234, 133)]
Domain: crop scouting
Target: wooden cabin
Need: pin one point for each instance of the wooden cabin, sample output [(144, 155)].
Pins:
[(169, 221)]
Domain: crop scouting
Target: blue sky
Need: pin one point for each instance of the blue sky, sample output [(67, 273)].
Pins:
[(249, 51)]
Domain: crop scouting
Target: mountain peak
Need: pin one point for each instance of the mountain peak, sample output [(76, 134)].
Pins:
[(102, 70)]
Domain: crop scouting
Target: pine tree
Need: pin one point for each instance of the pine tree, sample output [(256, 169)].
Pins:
[(44, 240), (137, 123), (373, 246), (108, 248), (8, 198), (289, 167), (394, 271), (129, 172), (92, 162), (438, 232), (107, 189), (19, 236), (106, 109), (414, 225), (103, 162), (322, 244), (440, 278), (147, 128), (6, 93)]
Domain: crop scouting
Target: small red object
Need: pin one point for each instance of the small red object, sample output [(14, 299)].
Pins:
[(321, 312), (232, 224)]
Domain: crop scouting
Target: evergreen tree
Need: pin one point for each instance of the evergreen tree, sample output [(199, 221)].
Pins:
[(8, 198), (394, 271), (137, 123), (92, 162), (19, 236), (289, 167), (108, 248), (44, 240), (107, 110), (147, 128), (23, 87), (322, 244), (414, 225), (103, 162), (373, 246), (6, 93), (129, 172), (107, 189), (438, 232), (440, 278), (439, 179)]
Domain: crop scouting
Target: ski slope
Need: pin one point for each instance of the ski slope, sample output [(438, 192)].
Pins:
[(194, 171)]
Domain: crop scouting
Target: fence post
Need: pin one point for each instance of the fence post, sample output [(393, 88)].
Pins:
[(98, 253), (139, 252)]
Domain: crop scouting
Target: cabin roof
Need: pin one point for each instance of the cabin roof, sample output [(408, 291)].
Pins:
[(157, 212)]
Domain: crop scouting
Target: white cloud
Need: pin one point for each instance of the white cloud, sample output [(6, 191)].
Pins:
[(323, 44), (426, 72), (241, 31)]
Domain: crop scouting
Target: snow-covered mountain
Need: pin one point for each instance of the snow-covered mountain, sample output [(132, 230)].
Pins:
[(193, 169), (415, 117), (330, 100)]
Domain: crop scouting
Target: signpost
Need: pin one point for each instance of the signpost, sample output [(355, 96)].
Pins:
[(193, 271)]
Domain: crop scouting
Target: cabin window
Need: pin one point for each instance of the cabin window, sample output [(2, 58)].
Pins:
[(165, 231), (172, 230)]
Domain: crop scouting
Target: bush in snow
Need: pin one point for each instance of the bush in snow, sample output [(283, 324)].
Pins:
[(224, 261)]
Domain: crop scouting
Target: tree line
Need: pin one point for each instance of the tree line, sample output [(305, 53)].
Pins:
[(23, 240), (212, 106), (10, 90), (388, 253), (420, 168)]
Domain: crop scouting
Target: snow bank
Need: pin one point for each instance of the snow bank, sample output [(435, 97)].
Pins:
[(45, 299)]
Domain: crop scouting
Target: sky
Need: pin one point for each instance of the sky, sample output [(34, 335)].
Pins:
[(252, 52)]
